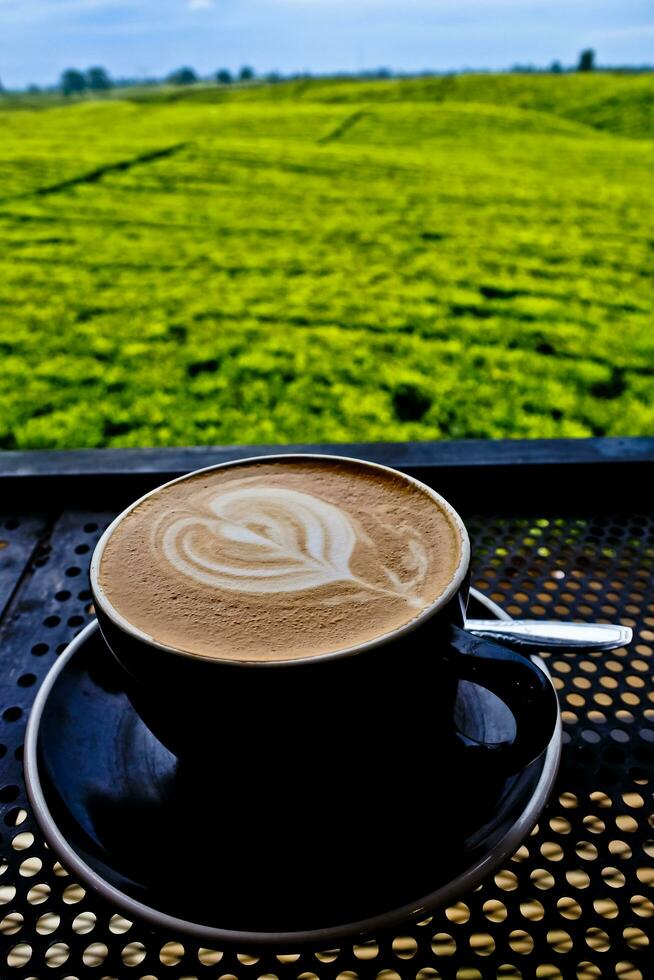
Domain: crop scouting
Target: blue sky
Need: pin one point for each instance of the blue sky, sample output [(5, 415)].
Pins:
[(38, 38)]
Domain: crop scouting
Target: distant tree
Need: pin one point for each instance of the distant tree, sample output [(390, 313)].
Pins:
[(556, 68), (72, 82), (224, 76), (182, 76), (33, 89), (246, 73), (97, 79), (586, 60)]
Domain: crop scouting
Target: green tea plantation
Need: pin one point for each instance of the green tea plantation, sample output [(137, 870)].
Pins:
[(329, 261)]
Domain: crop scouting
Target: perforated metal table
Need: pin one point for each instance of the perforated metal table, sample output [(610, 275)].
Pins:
[(559, 529)]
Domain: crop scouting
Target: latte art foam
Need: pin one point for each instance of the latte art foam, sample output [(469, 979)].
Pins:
[(279, 560), (265, 539)]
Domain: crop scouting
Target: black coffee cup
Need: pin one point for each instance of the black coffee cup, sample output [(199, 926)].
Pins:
[(334, 713)]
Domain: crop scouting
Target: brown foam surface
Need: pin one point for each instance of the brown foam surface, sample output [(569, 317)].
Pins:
[(279, 560)]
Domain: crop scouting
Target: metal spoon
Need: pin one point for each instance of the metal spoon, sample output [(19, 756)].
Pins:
[(552, 635)]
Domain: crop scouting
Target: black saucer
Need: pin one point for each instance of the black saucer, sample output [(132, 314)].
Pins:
[(208, 855)]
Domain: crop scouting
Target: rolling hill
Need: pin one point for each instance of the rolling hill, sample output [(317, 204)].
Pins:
[(329, 260)]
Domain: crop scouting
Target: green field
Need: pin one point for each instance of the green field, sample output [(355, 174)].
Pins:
[(329, 261)]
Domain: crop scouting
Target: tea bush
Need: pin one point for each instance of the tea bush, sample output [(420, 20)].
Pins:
[(329, 261)]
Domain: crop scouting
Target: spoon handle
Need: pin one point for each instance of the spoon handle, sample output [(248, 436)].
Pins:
[(551, 634)]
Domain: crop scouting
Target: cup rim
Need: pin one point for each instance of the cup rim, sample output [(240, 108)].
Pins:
[(100, 597)]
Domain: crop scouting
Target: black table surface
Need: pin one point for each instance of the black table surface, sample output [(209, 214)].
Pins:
[(559, 530)]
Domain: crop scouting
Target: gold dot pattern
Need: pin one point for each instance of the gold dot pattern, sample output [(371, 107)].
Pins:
[(575, 901)]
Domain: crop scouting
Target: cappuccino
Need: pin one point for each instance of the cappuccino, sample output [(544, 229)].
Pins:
[(279, 560)]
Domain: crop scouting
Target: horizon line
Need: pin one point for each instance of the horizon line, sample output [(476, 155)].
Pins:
[(379, 73)]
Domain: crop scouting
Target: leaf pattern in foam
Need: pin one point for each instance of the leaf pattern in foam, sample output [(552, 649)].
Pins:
[(269, 540), (263, 540)]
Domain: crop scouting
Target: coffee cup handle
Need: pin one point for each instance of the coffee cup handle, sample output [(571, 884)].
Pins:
[(525, 689)]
